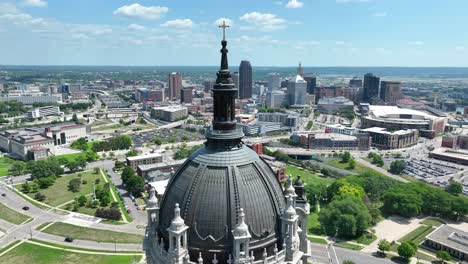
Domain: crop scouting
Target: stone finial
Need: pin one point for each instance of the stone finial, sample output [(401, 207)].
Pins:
[(200, 259), (177, 221), (289, 188), (153, 200), (290, 211), (229, 261), (252, 255), (215, 261), (242, 229), (265, 254)]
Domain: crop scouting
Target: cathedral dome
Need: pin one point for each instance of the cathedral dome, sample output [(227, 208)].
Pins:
[(211, 187)]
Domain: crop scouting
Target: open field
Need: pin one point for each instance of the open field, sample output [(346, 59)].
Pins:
[(12, 216), (313, 224), (4, 165), (98, 235), (417, 235), (317, 240), (358, 169), (308, 177), (431, 222), (366, 239), (348, 245), (32, 253), (58, 193)]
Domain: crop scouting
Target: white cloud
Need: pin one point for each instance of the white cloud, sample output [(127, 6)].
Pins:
[(339, 42), (219, 21), (416, 43), (178, 23), (143, 12), (136, 27), (303, 45), (380, 14), (35, 3), (15, 16), (263, 21), (294, 4), (459, 48)]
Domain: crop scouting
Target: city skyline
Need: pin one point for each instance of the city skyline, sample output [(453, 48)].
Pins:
[(166, 33)]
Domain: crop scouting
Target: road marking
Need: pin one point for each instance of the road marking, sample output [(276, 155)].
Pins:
[(51, 223), (8, 250), (336, 257)]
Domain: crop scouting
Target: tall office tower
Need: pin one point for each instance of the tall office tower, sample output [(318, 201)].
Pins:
[(235, 80), (208, 85), (311, 83), (390, 92), (355, 82), (175, 85), (245, 80), (297, 91), (300, 70), (274, 82), (186, 96), (371, 87)]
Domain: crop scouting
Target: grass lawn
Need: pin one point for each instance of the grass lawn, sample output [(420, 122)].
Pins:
[(9, 246), (98, 235), (431, 222), (31, 253), (348, 245), (358, 169), (317, 240), (4, 166), (309, 178), (417, 235), (313, 224), (70, 157), (58, 193), (121, 204), (12, 216), (366, 239)]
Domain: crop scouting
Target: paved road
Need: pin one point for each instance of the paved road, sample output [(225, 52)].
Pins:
[(15, 232), (336, 255), (379, 169)]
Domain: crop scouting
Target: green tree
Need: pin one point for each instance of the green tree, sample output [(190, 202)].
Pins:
[(74, 185), (397, 166), (377, 160), (82, 200), (346, 216), (25, 187), (127, 173), (17, 168), (96, 170), (136, 185), (40, 197), (443, 256), (406, 250), (384, 245), (158, 141), (171, 140), (72, 165), (346, 157), (45, 168), (74, 117), (80, 143), (454, 188), (348, 262), (351, 164), (132, 153), (81, 162)]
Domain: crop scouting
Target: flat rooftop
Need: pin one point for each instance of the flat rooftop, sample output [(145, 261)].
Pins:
[(148, 156), (454, 153), (382, 130), (388, 111), (334, 136), (172, 108), (450, 237)]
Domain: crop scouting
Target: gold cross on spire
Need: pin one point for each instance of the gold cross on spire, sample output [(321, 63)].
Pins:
[(224, 26)]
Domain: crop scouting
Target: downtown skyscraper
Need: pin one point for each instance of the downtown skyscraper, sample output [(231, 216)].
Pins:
[(370, 87), (245, 80), (175, 85)]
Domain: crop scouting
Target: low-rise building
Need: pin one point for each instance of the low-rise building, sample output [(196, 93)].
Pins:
[(38, 143), (286, 119), (169, 113), (340, 129), (383, 139), (43, 111), (144, 94), (168, 166), (30, 98), (152, 158), (331, 141), (459, 156), (449, 239), (332, 105)]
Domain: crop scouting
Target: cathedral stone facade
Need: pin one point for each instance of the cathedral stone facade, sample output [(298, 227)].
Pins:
[(225, 204)]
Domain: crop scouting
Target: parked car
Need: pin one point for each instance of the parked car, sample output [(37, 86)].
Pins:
[(25, 208), (69, 239), (3, 194)]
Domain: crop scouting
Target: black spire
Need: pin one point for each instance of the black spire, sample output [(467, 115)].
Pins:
[(224, 131)]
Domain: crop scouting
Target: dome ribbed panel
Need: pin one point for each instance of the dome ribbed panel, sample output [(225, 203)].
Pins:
[(210, 211), (256, 201)]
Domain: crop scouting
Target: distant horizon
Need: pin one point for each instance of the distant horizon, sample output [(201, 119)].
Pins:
[(230, 65)]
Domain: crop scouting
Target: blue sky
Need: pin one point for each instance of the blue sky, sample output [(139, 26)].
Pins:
[(266, 32)]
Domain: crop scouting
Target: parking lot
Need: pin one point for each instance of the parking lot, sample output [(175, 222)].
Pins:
[(431, 170), (178, 135)]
